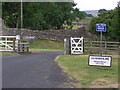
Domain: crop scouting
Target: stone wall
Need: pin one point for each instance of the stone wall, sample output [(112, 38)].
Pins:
[(57, 35)]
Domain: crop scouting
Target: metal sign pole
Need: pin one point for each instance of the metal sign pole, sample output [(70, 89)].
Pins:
[(101, 43)]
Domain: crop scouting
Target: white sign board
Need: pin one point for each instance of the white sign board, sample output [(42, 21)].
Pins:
[(100, 61)]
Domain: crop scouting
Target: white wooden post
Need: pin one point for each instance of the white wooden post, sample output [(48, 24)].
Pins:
[(65, 40), (17, 42), (6, 43)]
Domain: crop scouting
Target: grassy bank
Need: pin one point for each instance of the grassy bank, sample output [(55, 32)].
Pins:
[(7, 53), (76, 66), (46, 45), (83, 21)]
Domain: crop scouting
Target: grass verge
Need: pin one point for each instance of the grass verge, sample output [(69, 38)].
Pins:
[(46, 45), (76, 66), (7, 53)]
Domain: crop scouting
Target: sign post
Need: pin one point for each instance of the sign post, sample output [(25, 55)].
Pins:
[(101, 43), (101, 28)]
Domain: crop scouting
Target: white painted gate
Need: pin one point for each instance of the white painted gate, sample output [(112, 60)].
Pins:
[(6, 42), (15, 43), (76, 45)]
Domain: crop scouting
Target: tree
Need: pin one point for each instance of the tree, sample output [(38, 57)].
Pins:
[(11, 14), (89, 15), (79, 14), (40, 15), (101, 11), (110, 18)]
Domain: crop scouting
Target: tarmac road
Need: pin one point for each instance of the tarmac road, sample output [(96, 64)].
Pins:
[(35, 70)]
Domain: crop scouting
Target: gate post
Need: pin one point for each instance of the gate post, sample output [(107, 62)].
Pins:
[(27, 49), (17, 43), (67, 46), (90, 47), (14, 46), (65, 51), (23, 48)]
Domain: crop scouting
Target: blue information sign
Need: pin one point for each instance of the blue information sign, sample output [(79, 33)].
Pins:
[(101, 27)]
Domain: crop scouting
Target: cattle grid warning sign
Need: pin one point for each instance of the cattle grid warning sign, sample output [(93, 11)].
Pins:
[(100, 61)]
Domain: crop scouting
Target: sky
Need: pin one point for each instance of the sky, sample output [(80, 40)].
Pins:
[(96, 4)]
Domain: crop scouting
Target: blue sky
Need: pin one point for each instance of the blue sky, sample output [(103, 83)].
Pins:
[(96, 4)]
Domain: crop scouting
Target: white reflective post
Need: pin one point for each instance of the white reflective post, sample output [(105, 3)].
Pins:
[(17, 42), (65, 40)]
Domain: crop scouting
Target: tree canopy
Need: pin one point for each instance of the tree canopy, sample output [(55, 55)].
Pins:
[(40, 15), (112, 19)]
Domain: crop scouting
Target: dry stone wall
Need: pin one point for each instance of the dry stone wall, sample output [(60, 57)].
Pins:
[(57, 35)]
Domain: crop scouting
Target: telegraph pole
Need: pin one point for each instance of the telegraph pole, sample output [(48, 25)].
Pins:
[(21, 16)]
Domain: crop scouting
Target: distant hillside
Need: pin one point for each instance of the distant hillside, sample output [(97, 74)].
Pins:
[(93, 12)]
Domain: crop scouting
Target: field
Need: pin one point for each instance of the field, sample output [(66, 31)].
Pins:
[(82, 22), (84, 76), (46, 45)]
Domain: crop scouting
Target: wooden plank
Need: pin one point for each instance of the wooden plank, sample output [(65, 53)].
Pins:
[(6, 41), (2, 47), (24, 43), (7, 44), (23, 46), (113, 48), (87, 47), (6, 50), (7, 36), (96, 44), (91, 47), (98, 41), (112, 45), (113, 42), (5, 47)]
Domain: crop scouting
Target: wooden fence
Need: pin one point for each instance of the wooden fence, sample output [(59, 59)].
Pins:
[(22, 46), (13, 43), (95, 47), (106, 47)]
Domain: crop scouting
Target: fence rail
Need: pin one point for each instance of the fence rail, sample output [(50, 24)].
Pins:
[(98, 46)]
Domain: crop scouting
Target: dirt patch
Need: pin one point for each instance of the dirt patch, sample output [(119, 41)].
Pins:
[(39, 50), (103, 83)]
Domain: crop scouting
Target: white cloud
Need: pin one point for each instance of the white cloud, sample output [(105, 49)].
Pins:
[(96, 4)]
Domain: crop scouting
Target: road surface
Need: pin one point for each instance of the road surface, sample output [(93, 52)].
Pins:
[(35, 70)]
